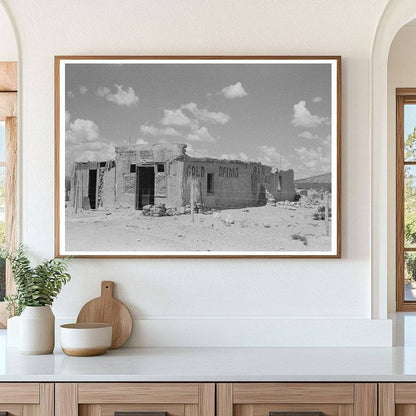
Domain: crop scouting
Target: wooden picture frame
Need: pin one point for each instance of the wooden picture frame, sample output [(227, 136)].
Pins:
[(174, 175)]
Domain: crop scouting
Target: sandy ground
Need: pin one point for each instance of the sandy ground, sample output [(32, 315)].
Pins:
[(264, 228)]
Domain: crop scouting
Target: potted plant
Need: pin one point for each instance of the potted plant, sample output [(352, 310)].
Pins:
[(36, 289)]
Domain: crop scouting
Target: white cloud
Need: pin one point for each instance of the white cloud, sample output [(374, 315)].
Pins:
[(204, 153), (157, 131), (83, 89), (308, 135), (316, 99), (83, 143), (170, 131), (192, 152), (125, 97), (268, 155), (234, 91), (146, 129), (67, 118), (312, 161), (141, 141), (70, 94), (176, 118), (206, 116), (82, 131), (234, 156), (327, 141), (201, 135), (302, 117)]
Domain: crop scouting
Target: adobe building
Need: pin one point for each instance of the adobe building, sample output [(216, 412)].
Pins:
[(164, 174)]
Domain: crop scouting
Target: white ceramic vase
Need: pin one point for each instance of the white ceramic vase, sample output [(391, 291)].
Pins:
[(37, 330)]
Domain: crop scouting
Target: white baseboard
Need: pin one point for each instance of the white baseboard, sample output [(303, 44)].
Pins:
[(253, 332)]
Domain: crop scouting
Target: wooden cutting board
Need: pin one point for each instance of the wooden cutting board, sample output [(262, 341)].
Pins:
[(107, 309)]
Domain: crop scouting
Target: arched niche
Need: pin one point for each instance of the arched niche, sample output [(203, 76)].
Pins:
[(396, 14)]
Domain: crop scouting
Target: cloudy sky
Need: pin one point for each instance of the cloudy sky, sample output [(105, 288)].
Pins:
[(409, 119), (275, 114)]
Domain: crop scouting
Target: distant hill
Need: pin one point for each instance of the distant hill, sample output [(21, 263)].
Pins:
[(318, 182)]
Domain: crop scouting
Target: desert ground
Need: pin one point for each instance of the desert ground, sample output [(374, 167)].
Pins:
[(265, 228)]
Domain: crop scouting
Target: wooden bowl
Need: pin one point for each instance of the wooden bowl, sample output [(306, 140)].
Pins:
[(85, 340)]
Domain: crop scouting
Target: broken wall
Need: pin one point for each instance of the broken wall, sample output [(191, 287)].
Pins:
[(235, 184)]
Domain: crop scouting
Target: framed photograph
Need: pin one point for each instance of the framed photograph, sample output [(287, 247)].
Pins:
[(197, 156)]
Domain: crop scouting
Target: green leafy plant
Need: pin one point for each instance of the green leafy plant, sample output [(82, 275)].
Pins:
[(35, 286)]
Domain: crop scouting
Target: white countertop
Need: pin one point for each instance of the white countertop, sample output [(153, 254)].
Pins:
[(213, 364)]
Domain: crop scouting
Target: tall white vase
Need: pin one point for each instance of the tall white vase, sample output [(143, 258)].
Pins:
[(37, 330)]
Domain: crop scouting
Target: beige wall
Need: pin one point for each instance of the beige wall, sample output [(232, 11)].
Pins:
[(183, 300), (8, 47)]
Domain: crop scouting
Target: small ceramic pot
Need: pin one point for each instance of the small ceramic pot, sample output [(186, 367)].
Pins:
[(83, 340), (37, 330)]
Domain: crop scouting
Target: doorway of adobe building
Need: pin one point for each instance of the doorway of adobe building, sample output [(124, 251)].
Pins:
[(145, 186)]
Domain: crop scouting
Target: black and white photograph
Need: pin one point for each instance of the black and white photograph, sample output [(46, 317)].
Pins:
[(197, 156)]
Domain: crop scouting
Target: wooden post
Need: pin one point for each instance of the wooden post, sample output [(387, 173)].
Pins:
[(76, 192), (11, 197), (200, 195), (327, 213), (192, 201)]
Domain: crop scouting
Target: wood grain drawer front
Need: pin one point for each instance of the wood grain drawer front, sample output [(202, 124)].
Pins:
[(405, 393), (397, 399), (138, 393), (27, 399), (111, 409), (293, 393), (12, 409), (330, 399), (19, 393), (105, 399), (265, 409)]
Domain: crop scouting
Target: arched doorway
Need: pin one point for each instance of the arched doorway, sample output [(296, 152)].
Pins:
[(396, 14)]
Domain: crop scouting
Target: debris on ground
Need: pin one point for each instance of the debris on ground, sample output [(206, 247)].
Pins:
[(319, 214), (228, 220), (300, 238)]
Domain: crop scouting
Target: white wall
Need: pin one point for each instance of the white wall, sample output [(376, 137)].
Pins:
[(401, 74), (8, 47), (179, 302)]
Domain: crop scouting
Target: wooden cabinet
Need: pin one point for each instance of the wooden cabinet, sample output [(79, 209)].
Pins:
[(397, 399), (106, 399), (27, 399), (208, 399), (297, 399)]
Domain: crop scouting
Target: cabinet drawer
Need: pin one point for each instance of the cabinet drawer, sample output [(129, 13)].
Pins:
[(153, 399), (397, 399), (138, 393), (22, 399), (19, 393), (297, 399)]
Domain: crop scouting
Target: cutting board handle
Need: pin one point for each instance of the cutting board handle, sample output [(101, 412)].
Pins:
[(107, 288)]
